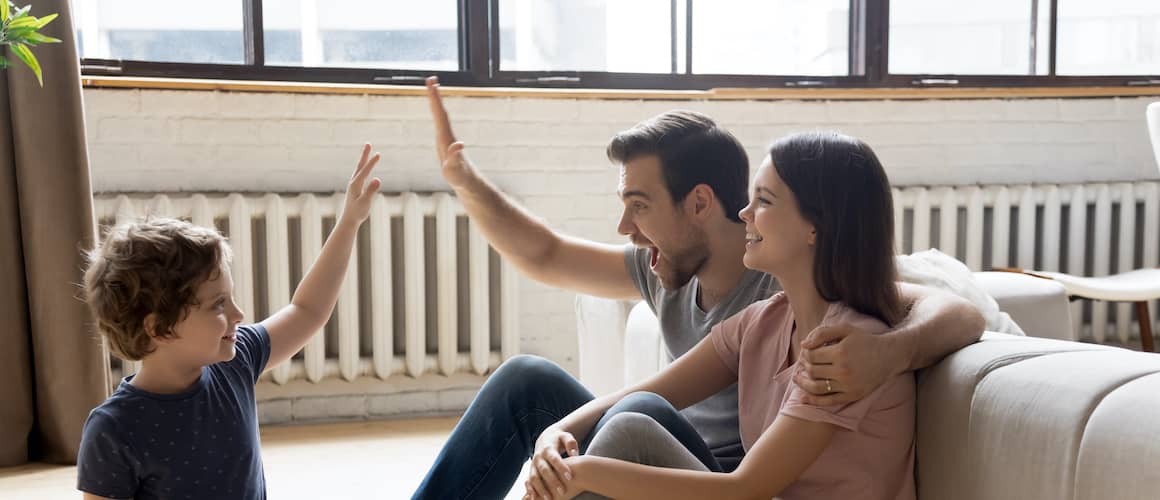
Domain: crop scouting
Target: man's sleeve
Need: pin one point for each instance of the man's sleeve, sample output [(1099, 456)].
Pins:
[(637, 262)]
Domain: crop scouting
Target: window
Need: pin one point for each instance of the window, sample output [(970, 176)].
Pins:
[(209, 31), (1109, 37), (779, 37), (992, 37), (362, 34), (585, 35), (663, 44)]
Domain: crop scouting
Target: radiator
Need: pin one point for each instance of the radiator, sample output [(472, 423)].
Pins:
[(1084, 229), (424, 294)]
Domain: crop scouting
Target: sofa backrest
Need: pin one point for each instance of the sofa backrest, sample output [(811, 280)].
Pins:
[(1025, 418)]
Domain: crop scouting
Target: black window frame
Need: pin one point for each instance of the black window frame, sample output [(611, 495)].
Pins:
[(479, 58)]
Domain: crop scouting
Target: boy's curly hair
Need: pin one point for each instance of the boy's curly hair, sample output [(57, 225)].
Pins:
[(149, 267)]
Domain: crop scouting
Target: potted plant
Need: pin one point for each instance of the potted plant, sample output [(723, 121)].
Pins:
[(19, 31)]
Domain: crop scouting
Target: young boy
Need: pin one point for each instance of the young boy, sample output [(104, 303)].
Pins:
[(185, 426)]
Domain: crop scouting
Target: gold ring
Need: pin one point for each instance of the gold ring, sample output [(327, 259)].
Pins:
[(829, 388)]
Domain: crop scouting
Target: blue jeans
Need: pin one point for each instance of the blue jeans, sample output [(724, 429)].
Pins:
[(484, 454)]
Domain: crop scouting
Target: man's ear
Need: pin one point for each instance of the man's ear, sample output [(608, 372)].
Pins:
[(701, 200)]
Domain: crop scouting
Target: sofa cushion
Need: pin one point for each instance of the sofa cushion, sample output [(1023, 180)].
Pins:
[(1121, 433), (1028, 419), (946, 393), (1008, 417)]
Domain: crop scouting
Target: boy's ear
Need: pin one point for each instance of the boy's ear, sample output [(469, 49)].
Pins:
[(151, 327)]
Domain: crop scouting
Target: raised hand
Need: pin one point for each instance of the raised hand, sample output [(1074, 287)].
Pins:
[(359, 192), (455, 166)]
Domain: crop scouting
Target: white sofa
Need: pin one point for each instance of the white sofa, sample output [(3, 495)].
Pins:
[(1009, 417)]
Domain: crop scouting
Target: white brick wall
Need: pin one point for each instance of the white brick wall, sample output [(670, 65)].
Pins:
[(550, 153)]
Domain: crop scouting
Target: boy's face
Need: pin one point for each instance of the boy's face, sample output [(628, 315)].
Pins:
[(207, 334), (651, 219)]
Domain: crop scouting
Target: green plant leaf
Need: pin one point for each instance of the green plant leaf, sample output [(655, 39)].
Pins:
[(22, 11), (25, 55), (43, 21), (3, 63), (38, 38), (4, 11), (17, 35), (21, 22)]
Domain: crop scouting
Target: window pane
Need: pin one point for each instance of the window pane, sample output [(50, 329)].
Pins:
[(778, 37), (1108, 37), (983, 37), (586, 35), (208, 31), (393, 34)]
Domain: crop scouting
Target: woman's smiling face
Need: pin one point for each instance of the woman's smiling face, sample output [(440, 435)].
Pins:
[(777, 237)]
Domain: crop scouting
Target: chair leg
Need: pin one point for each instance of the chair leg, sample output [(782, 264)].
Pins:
[(1145, 322)]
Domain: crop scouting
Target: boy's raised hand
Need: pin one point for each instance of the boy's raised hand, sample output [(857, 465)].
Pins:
[(359, 192)]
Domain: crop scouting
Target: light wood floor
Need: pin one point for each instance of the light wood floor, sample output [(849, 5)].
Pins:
[(373, 460)]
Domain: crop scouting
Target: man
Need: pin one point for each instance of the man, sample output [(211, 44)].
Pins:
[(683, 181)]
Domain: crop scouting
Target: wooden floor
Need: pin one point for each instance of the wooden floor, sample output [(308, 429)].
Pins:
[(380, 460)]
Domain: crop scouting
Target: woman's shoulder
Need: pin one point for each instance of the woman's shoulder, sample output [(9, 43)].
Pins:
[(842, 313), (772, 306)]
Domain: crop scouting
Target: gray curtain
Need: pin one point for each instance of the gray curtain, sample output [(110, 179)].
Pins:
[(52, 371)]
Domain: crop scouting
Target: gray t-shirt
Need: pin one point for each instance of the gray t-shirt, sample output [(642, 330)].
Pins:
[(684, 324)]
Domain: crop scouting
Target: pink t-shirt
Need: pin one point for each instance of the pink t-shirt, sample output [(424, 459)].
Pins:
[(872, 453)]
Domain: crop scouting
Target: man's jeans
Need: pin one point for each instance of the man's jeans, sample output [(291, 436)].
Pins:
[(497, 434)]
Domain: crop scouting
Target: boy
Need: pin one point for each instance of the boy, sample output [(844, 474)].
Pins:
[(185, 425)]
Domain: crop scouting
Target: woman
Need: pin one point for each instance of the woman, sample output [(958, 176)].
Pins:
[(820, 220)]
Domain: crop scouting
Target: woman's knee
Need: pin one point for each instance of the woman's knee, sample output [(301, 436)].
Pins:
[(632, 422), (620, 436), (645, 403)]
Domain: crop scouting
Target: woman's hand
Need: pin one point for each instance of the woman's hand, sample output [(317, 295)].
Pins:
[(548, 475)]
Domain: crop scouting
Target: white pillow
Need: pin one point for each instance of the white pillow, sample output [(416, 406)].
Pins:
[(938, 270)]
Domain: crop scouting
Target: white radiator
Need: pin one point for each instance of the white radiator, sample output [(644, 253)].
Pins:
[(459, 302), (1083, 229)]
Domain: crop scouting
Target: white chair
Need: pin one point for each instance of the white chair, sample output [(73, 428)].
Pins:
[(1138, 286)]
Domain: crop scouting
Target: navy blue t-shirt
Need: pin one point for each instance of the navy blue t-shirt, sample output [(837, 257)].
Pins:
[(201, 444)]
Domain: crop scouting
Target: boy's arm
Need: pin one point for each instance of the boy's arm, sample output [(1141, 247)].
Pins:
[(854, 362), (521, 238), (90, 496), (313, 301)]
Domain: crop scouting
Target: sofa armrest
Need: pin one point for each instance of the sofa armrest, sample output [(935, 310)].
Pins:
[(600, 335), (643, 343), (620, 343), (1039, 306)]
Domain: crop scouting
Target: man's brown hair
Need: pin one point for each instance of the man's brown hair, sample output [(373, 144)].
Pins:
[(150, 267), (692, 150)]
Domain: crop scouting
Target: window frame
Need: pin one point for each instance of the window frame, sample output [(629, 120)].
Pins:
[(478, 43)]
